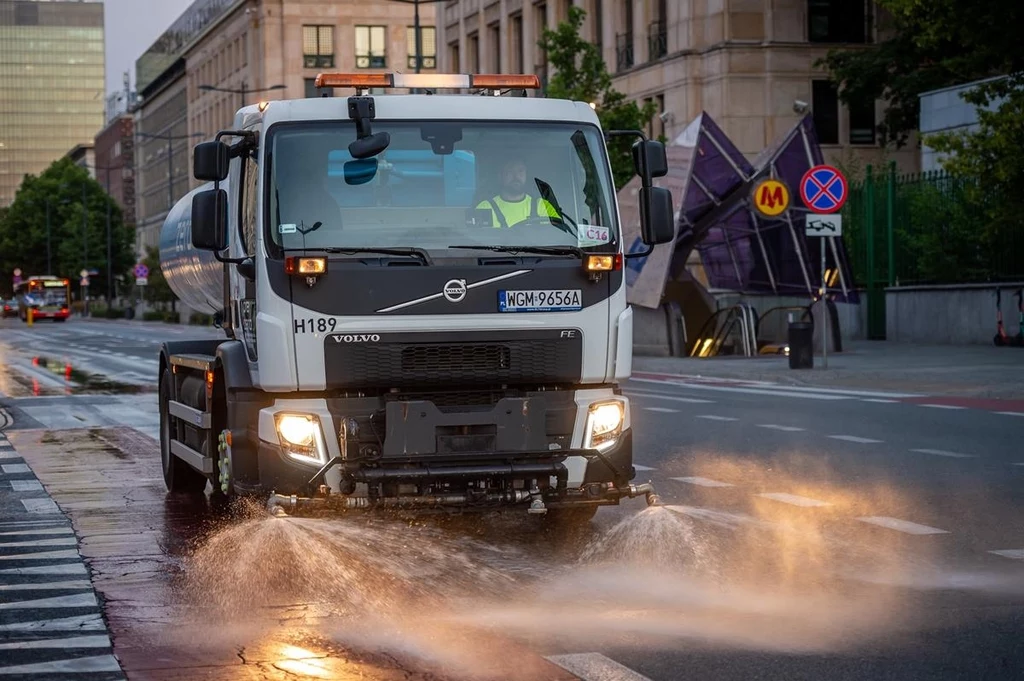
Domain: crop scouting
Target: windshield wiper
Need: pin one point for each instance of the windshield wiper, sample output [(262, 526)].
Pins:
[(419, 253), (547, 250)]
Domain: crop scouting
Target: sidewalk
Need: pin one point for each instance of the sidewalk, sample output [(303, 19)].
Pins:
[(968, 371)]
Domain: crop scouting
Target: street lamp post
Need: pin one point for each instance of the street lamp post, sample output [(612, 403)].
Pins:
[(416, 27), (243, 91), (170, 158)]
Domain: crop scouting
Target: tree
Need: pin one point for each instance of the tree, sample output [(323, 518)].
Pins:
[(932, 44), (59, 189), (581, 75)]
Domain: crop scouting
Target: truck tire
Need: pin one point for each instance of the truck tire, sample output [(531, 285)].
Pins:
[(179, 477)]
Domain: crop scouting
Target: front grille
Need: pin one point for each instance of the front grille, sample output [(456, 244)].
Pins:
[(487, 361), (438, 360)]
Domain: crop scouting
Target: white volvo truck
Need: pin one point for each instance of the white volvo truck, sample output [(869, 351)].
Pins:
[(392, 340)]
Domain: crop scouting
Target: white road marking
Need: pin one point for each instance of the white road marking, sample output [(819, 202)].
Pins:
[(595, 667), (26, 485), (1018, 464), (9, 454), (1016, 554), (1011, 413), (64, 569), (642, 468), (794, 499), (942, 406), (943, 452), (56, 541), (10, 468), (712, 417), (40, 506), (75, 623), (703, 482), (878, 400), (32, 586), (662, 410), (51, 643), (788, 429), (766, 385), (854, 438), (99, 663), (904, 526), (42, 530), (787, 392), (87, 600), (670, 398), (43, 555)]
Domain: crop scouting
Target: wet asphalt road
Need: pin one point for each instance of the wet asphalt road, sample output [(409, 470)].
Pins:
[(809, 534)]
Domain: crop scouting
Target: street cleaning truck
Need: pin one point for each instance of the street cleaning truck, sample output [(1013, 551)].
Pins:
[(423, 302)]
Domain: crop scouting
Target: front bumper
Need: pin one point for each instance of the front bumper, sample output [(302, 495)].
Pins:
[(526, 463)]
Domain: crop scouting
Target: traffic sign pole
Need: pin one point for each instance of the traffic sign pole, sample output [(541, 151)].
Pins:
[(824, 191)]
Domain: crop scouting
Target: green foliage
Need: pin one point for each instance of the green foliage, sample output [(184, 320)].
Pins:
[(933, 44), (940, 232), (23, 227), (581, 75)]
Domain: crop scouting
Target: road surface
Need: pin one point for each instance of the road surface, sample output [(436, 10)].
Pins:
[(808, 533)]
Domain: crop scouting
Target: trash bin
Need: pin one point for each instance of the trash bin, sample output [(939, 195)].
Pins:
[(801, 345)]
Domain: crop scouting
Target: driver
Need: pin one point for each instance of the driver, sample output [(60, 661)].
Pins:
[(513, 204)]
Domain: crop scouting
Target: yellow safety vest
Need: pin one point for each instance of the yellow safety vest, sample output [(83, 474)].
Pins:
[(509, 213)]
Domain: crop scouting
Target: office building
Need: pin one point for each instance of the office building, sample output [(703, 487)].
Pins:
[(222, 54), (51, 84), (748, 63), (114, 151), (273, 49)]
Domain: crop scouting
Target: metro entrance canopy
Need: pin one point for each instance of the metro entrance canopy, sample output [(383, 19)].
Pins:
[(741, 248)]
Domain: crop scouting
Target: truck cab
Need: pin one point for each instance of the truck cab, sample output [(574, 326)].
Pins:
[(422, 297)]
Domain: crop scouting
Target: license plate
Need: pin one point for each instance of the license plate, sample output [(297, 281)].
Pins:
[(540, 301)]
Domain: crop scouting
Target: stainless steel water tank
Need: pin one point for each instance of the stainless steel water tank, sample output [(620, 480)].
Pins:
[(195, 276)]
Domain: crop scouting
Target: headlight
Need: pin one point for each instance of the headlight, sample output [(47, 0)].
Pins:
[(604, 424), (301, 437)]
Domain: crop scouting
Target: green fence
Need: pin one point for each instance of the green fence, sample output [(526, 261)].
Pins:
[(928, 228)]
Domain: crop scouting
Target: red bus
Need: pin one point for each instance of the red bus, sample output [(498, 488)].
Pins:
[(47, 296)]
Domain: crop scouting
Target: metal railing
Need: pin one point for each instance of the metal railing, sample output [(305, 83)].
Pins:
[(657, 40), (741, 318), (623, 51)]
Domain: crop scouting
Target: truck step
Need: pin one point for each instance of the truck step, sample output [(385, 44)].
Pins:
[(192, 457), (194, 361), (200, 419)]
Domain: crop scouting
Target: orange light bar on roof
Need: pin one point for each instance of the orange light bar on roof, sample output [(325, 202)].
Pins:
[(358, 80), (496, 80)]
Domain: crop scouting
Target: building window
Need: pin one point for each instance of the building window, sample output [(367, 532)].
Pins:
[(494, 38), (515, 44), (428, 47), (825, 108), (317, 47), (312, 92), (473, 53), (453, 57), (862, 123), (839, 21), (371, 47), (624, 58)]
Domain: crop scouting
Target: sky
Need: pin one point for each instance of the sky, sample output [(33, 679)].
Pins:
[(131, 26)]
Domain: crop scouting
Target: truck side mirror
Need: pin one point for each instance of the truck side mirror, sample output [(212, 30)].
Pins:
[(656, 221), (210, 220), (210, 161), (649, 159)]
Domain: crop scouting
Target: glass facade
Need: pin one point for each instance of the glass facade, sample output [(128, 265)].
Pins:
[(171, 44), (52, 84)]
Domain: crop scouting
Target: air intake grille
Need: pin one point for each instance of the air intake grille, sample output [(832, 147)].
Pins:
[(489, 361)]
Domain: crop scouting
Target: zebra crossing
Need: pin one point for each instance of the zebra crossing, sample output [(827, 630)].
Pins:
[(51, 623)]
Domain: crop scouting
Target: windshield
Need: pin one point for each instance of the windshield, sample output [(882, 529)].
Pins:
[(47, 294), (441, 184)]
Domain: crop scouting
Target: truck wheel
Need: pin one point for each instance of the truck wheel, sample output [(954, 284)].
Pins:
[(178, 475)]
